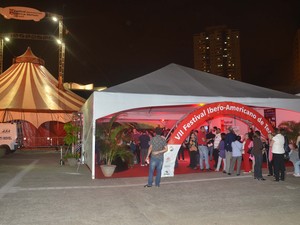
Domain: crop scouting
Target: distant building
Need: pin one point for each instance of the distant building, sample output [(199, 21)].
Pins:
[(217, 51), (296, 58)]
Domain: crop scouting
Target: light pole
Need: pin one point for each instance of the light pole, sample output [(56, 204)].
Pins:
[(60, 41), (3, 39)]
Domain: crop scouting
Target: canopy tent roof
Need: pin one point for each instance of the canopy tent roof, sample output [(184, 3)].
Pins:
[(177, 80), (28, 86), (175, 85)]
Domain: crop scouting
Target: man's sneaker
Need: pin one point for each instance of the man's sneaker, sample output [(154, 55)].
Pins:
[(147, 186), (296, 174)]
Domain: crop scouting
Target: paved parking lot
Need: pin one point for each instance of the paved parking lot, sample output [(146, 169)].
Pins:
[(36, 189)]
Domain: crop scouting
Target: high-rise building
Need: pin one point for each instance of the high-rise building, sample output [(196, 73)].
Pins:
[(217, 51), (296, 59)]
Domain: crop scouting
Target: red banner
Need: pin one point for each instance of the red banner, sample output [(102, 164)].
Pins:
[(196, 118)]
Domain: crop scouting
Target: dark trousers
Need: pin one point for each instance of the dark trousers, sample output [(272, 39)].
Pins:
[(193, 159), (216, 156), (181, 153), (279, 167), (270, 167), (138, 154), (258, 166)]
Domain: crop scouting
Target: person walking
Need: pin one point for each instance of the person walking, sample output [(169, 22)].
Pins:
[(158, 146), (258, 155), (278, 152)]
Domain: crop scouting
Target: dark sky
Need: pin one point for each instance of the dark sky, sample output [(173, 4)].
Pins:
[(113, 41)]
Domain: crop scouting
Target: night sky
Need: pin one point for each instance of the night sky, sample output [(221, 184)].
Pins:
[(110, 42)]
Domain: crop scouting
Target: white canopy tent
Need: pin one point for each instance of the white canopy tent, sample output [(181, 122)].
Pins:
[(170, 93)]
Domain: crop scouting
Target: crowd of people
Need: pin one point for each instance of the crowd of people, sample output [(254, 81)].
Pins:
[(227, 152)]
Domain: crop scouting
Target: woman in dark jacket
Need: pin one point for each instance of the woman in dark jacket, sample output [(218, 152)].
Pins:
[(258, 154), (193, 148)]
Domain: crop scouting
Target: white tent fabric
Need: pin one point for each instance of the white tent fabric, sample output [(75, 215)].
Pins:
[(178, 80), (29, 92), (172, 92)]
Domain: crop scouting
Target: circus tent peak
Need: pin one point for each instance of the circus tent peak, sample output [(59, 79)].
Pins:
[(29, 57), (27, 86)]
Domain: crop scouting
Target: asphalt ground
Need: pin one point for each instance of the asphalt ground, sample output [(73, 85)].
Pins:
[(36, 189)]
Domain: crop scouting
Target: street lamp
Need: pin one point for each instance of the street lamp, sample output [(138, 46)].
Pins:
[(7, 39)]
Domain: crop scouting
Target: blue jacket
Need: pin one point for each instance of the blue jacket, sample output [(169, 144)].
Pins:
[(229, 138)]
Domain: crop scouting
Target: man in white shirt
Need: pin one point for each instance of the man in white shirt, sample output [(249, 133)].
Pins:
[(277, 144)]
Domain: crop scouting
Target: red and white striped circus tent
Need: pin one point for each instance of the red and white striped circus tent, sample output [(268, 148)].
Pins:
[(29, 93)]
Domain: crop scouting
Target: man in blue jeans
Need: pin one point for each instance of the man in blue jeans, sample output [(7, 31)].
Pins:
[(203, 149), (158, 146)]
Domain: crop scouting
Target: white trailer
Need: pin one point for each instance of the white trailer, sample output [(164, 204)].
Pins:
[(9, 139)]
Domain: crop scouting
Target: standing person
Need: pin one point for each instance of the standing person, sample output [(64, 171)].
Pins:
[(270, 155), (193, 150), (203, 150), (158, 146), (247, 144), (237, 148), (278, 152), (181, 150), (294, 158), (136, 141), (298, 143), (221, 156), (258, 155), (229, 138), (144, 140), (210, 142), (216, 146)]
